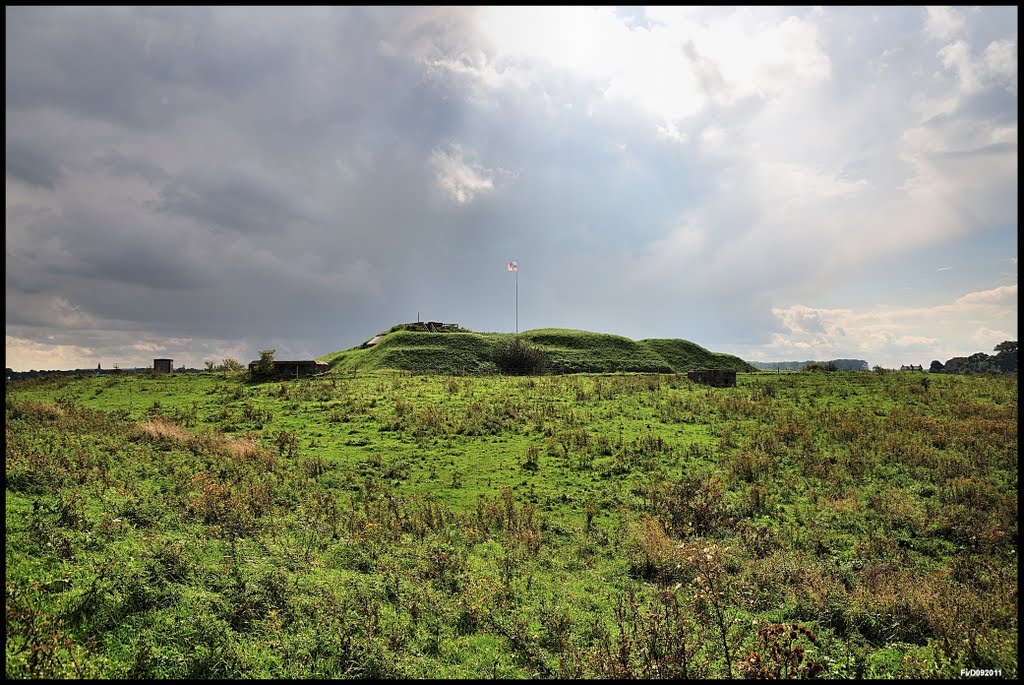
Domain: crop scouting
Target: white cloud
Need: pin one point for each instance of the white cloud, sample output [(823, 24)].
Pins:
[(795, 184), (996, 66), (670, 71), (678, 251), (148, 347), (984, 337), (785, 162), (957, 57), (1000, 63), (1003, 295), (891, 336), (22, 355), (458, 179), (914, 341), (125, 349), (800, 319), (942, 23)]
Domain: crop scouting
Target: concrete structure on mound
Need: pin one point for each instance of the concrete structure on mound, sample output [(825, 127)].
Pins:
[(439, 327), (717, 378), (163, 365), (291, 369)]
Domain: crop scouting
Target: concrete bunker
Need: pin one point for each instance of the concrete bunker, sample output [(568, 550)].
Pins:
[(716, 378), (290, 368)]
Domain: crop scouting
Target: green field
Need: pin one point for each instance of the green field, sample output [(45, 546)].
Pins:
[(593, 525)]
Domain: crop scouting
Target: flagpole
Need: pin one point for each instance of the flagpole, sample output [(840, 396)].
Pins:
[(514, 267), (517, 299)]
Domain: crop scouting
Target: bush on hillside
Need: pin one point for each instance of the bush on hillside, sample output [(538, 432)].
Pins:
[(517, 356)]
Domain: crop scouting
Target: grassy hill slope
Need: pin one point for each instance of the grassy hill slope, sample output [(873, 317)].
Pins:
[(451, 353), (684, 355), (572, 351), (569, 351)]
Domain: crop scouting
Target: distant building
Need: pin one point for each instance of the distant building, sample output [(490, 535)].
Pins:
[(163, 365), (912, 367)]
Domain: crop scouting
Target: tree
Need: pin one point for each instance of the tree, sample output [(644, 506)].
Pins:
[(230, 364), (851, 365), (1006, 359), (955, 365), (208, 364), (265, 366), (936, 366)]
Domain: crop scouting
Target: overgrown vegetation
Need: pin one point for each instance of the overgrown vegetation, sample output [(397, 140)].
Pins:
[(517, 356), (632, 525)]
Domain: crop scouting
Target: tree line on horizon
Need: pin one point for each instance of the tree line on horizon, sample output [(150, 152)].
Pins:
[(1003, 362), (836, 364)]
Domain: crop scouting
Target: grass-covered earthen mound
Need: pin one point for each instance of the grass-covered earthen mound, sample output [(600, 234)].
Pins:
[(565, 351)]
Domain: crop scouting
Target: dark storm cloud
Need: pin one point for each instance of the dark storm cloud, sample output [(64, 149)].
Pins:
[(141, 67), (98, 244), (120, 165), (238, 198), (31, 163), (346, 132)]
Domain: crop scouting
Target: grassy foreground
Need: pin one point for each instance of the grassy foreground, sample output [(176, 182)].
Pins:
[(835, 525)]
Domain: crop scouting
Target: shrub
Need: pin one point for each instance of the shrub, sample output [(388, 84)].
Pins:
[(783, 654), (532, 458), (230, 364), (517, 356)]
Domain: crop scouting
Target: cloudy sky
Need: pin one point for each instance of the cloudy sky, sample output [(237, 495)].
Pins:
[(781, 184)]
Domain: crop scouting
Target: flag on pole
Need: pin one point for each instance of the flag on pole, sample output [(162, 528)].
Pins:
[(513, 265)]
